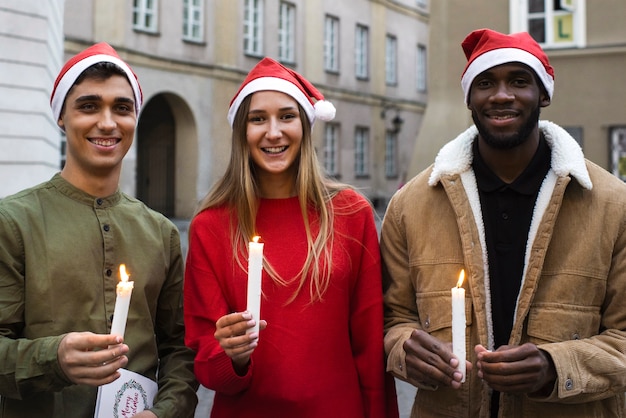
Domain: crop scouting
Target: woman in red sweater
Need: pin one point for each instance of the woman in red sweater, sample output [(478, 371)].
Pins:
[(319, 351)]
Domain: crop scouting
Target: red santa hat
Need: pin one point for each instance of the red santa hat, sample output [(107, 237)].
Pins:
[(75, 66), (269, 74), (485, 48)]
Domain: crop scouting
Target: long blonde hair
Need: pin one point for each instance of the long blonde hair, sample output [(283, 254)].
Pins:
[(238, 190)]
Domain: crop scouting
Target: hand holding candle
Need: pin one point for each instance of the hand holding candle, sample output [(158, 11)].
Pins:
[(122, 303), (458, 323), (255, 268)]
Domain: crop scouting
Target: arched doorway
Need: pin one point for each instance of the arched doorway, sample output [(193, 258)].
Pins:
[(156, 156), (167, 156)]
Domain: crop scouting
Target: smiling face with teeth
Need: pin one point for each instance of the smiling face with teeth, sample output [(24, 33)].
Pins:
[(274, 135), (99, 121), (505, 101)]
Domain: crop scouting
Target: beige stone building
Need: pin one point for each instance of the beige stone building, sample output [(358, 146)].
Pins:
[(586, 43), (367, 56), (31, 52)]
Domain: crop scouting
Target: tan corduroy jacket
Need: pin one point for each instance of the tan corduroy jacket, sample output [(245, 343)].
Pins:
[(572, 301)]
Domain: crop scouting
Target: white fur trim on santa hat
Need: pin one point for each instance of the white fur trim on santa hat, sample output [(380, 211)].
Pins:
[(500, 56), (69, 78), (271, 84)]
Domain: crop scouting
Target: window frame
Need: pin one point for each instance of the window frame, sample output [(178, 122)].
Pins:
[(253, 26), (617, 145), (193, 18), (361, 152), (421, 68), (391, 154), (331, 149), (144, 10), (361, 52), (331, 44), (287, 32), (570, 17), (391, 60)]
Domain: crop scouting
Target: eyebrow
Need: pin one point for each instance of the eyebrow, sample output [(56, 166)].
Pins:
[(522, 71), (282, 109), (97, 97), (516, 72)]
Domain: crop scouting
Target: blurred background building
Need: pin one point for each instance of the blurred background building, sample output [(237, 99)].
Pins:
[(367, 57), (586, 44), (31, 55), (391, 67)]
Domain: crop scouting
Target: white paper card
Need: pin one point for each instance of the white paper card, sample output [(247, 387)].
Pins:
[(126, 396)]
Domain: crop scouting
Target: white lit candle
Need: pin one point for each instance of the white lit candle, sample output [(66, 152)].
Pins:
[(255, 268), (122, 303), (458, 323)]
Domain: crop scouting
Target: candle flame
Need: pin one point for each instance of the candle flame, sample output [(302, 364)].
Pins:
[(256, 238), (123, 275), (461, 278)]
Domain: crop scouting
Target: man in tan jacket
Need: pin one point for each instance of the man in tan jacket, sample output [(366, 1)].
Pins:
[(541, 234)]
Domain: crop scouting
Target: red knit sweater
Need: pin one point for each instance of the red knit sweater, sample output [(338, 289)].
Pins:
[(319, 360)]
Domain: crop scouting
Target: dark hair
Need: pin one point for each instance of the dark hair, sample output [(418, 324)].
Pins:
[(100, 71)]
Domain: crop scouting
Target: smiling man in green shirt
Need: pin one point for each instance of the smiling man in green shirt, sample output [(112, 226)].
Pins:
[(61, 244)]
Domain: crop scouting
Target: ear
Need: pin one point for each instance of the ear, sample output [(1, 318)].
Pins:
[(544, 99)]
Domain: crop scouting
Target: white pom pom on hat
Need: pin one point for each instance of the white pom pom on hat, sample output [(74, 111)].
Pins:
[(324, 110), (269, 74), (486, 48), (74, 67)]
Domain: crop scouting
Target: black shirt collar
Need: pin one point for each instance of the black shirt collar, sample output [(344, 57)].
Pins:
[(526, 183)]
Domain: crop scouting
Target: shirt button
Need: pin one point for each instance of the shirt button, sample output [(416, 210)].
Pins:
[(99, 201), (505, 216), (575, 336), (569, 385), (109, 272), (106, 228)]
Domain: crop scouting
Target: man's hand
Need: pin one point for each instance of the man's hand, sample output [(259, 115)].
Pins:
[(91, 359), (516, 369), (431, 362)]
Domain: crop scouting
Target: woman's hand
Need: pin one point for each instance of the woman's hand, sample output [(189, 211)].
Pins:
[(232, 337)]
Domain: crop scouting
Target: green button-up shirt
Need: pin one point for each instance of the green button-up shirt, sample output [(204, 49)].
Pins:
[(60, 251)]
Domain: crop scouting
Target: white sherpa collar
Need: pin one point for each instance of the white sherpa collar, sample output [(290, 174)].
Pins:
[(567, 157)]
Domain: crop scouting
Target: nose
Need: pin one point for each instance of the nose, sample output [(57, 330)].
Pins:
[(274, 130), (106, 122), (503, 92)]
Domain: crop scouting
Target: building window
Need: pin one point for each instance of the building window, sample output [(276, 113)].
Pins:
[(391, 154), (552, 23), (421, 68), (391, 60), (361, 152), (361, 52), (253, 27), (287, 33), (145, 15), (422, 3), (193, 20), (331, 149), (331, 44), (618, 151)]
